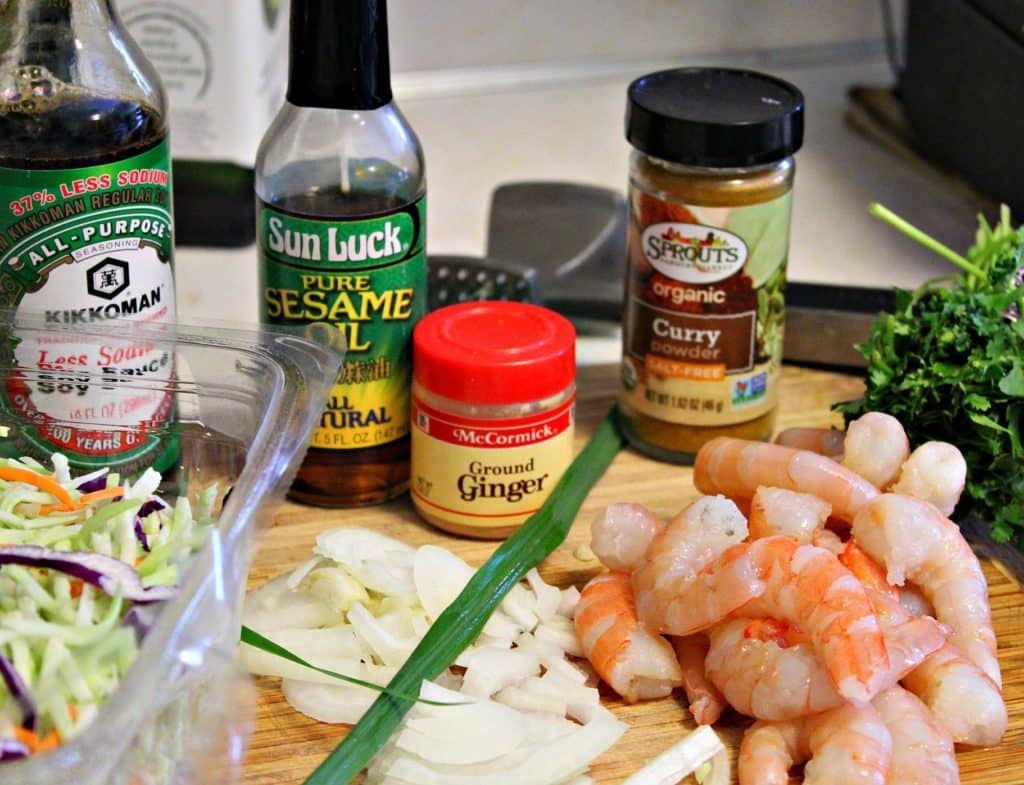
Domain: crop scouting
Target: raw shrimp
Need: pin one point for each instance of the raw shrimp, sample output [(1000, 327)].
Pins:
[(824, 441), (922, 750), (706, 702), (736, 468), (935, 472), (914, 601), (637, 663), (697, 570), (848, 745), (619, 536), (866, 570), (763, 679), (799, 516), (875, 447), (769, 671), (916, 542), (961, 697), (808, 586), (872, 574)]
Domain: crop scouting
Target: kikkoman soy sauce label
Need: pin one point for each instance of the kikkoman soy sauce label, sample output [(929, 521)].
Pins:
[(78, 247), (704, 309), (364, 280)]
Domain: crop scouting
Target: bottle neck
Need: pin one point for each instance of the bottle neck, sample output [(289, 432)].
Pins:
[(49, 34), (338, 57)]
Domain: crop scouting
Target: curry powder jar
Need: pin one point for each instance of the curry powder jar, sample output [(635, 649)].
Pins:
[(710, 192)]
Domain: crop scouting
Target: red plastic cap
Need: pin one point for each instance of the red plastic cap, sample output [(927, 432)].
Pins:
[(494, 352)]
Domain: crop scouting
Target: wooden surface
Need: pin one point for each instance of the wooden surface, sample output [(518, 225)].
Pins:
[(287, 746)]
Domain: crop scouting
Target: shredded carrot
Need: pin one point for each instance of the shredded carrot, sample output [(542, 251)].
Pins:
[(103, 493), (73, 711), (83, 500), (46, 509), (35, 743), (76, 587), (41, 481)]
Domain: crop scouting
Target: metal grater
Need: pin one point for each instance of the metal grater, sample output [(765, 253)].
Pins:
[(456, 279)]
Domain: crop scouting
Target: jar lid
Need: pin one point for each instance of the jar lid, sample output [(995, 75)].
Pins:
[(494, 352), (715, 117)]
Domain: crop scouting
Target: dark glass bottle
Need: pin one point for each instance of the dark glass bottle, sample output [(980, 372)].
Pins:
[(341, 208), (86, 230)]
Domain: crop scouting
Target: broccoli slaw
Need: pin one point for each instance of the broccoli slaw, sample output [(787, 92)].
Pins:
[(84, 563)]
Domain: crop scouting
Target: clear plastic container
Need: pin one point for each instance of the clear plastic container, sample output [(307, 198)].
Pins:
[(245, 405)]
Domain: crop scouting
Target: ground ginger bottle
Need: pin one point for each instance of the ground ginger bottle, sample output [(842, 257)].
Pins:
[(710, 191), (341, 224)]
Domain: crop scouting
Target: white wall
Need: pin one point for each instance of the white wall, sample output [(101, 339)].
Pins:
[(429, 35)]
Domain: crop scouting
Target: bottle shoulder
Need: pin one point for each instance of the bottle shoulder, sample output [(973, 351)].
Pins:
[(308, 149)]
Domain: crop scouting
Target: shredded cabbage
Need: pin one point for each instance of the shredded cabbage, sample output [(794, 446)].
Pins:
[(70, 642)]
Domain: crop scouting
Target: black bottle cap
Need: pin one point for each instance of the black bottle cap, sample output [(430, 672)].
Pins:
[(338, 54), (715, 117)]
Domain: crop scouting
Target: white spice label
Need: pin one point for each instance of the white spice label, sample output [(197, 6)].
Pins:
[(488, 473)]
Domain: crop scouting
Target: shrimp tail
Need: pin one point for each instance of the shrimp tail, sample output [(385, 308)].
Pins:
[(706, 702)]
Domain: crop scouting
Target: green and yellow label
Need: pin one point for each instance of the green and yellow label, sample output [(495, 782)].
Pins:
[(363, 280)]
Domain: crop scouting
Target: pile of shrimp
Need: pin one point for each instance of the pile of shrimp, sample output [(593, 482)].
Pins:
[(818, 587)]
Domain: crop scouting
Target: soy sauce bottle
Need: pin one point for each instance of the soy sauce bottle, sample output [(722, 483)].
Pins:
[(341, 223), (86, 230)]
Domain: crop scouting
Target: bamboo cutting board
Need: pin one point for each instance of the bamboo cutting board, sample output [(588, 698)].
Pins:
[(286, 746)]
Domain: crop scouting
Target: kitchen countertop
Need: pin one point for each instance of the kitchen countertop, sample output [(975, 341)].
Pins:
[(479, 134)]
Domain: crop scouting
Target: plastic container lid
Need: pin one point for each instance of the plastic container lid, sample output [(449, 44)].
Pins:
[(494, 352), (715, 117)]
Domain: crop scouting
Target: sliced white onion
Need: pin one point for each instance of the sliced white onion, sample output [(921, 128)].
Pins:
[(548, 597), (474, 732), (570, 599), (679, 760), (337, 641), (544, 727), (351, 544), (483, 642), (383, 577), (520, 604), (524, 700), (543, 764), (489, 670), (565, 639), (335, 703), (259, 662), (389, 649), (580, 700), (566, 669), (439, 576), (273, 606), (297, 575), (335, 587), (721, 769)]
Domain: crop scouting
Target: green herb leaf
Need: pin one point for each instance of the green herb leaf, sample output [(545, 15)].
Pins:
[(461, 622), (1013, 382), (949, 364)]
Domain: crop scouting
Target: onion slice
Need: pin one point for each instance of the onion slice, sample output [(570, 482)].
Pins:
[(680, 760), (105, 572)]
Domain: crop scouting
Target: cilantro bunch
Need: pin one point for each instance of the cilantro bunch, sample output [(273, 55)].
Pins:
[(949, 364)]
